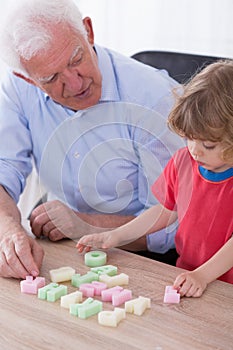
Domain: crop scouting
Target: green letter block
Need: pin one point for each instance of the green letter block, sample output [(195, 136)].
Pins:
[(77, 279), (86, 309), (52, 292), (109, 270)]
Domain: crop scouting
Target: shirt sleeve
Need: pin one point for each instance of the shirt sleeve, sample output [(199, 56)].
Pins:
[(155, 147), (15, 154)]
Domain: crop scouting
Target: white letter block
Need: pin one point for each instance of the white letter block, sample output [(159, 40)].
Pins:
[(137, 306), (72, 298), (62, 274), (112, 281), (111, 318)]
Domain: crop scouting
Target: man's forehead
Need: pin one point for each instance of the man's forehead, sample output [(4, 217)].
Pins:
[(75, 52)]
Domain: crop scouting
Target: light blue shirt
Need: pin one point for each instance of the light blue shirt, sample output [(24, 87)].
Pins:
[(100, 160)]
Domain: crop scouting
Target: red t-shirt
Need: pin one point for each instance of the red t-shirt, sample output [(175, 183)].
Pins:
[(204, 204)]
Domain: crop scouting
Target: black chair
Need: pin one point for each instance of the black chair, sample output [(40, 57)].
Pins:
[(180, 66)]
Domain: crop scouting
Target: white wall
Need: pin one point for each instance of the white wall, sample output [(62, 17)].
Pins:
[(195, 26), (129, 26)]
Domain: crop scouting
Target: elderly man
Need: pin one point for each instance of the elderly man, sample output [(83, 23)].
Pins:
[(94, 123)]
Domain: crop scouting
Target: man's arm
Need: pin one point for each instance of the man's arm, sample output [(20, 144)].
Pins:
[(20, 255), (56, 221)]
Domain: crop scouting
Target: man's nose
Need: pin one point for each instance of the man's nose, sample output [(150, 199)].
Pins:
[(72, 82)]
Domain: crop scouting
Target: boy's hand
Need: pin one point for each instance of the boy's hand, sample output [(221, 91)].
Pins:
[(190, 284), (103, 240)]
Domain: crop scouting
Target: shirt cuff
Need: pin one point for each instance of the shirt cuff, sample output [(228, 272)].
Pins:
[(163, 240)]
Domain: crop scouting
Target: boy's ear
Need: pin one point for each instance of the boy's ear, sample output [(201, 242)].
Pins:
[(28, 80)]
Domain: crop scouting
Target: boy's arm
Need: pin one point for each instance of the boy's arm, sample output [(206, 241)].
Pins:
[(153, 219), (219, 263), (193, 283)]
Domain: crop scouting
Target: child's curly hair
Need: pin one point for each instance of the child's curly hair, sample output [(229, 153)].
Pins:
[(204, 110)]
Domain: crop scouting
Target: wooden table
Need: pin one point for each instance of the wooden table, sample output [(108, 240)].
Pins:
[(196, 323)]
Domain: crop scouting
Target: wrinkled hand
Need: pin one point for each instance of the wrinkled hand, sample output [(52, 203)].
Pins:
[(190, 284), (56, 221), (103, 240), (20, 255)]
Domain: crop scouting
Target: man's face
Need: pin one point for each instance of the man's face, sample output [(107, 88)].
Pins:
[(68, 72)]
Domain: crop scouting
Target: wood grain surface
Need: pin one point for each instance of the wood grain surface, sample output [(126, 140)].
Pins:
[(196, 323)]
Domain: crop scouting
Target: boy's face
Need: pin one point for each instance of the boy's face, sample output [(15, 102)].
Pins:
[(208, 155)]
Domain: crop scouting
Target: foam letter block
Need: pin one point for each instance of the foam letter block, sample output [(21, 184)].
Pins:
[(72, 298), (88, 308), (137, 306), (171, 296), (121, 297), (92, 289), (77, 279), (109, 270), (111, 318), (112, 281), (106, 295), (52, 292), (95, 258), (31, 286), (62, 274)]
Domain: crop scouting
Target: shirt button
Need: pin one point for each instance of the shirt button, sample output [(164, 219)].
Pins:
[(76, 155)]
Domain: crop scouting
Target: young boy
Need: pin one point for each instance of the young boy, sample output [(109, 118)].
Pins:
[(196, 186)]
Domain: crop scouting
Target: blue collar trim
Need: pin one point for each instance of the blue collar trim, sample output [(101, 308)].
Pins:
[(216, 177)]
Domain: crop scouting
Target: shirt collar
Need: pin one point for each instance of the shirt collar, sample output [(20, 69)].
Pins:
[(216, 177), (109, 85)]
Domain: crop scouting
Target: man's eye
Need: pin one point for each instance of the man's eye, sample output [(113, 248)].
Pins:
[(76, 61), (49, 80), (52, 79)]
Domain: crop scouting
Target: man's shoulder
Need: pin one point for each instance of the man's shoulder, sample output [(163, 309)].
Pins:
[(138, 82)]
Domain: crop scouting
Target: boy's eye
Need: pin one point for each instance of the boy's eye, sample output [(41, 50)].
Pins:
[(209, 145)]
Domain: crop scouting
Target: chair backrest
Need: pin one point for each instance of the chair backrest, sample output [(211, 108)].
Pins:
[(180, 66)]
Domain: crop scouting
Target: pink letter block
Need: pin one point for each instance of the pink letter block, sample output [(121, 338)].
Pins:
[(171, 296), (31, 286), (92, 289), (121, 297), (106, 295)]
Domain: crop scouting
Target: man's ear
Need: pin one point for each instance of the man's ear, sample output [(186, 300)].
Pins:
[(28, 80), (89, 29)]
